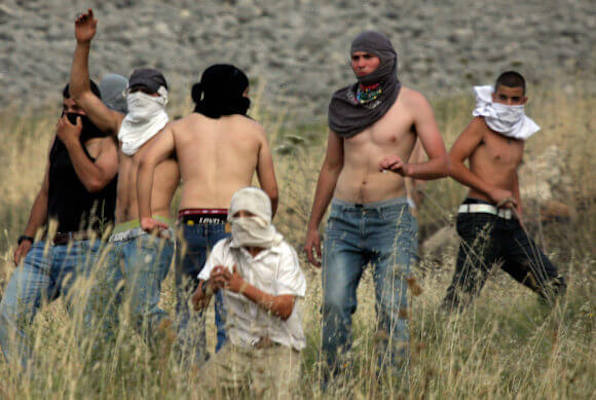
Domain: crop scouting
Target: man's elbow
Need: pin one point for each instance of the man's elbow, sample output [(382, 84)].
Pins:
[(95, 185), (273, 194), (446, 167), (285, 313)]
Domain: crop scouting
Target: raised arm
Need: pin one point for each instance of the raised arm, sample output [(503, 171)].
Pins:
[(332, 166), (80, 89), (161, 147), (266, 173), (463, 147), (94, 175)]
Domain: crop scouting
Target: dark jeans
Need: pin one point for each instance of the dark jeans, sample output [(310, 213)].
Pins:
[(194, 242), (487, 239)]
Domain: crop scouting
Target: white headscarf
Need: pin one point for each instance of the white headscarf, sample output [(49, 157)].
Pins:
[(146, 117), (252, 231), (509, 121)]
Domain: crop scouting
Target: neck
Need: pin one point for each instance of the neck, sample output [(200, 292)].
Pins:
[(253, 250)]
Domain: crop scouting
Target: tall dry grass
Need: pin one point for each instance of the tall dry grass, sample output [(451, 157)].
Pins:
[(505, 346)]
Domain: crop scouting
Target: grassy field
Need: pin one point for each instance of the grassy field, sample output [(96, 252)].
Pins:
[(506, 346)]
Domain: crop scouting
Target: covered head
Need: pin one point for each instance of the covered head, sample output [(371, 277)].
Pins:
[(255, 230), (149, 78), (146, 101), (113, 92), (72, 112), (376, 43), (356, 107), (221, 91)]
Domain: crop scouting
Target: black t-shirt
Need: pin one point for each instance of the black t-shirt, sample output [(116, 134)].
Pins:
[(69, 201)]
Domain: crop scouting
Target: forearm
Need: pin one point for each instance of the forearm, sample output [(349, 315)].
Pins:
[(79, 73), (323, 194), (434, 168), (463, 175), (145, 174), (202, 296), (280, 306), (90, 175), (38, 215)]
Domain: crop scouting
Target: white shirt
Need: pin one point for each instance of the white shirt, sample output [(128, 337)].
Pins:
[(276, 271)]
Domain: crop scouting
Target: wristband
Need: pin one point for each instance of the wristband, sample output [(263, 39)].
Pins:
[(24, 237)]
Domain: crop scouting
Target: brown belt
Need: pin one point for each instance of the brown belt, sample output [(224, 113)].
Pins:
[(62, 238)]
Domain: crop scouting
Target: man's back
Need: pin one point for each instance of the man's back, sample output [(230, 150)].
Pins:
[(217, 157), (166, 179)]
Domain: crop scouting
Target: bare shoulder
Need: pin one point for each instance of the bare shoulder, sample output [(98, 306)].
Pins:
[(413, 98), (477, 126), (250, 126)]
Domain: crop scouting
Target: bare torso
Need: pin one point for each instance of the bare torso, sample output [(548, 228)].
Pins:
[(495, 160), (361, 180), (165, 182), (217, 157)]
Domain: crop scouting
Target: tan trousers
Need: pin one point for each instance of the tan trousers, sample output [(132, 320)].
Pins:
[(271, 373)]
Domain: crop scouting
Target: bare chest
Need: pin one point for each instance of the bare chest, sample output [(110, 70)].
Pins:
[(501, 150), (393, 130)]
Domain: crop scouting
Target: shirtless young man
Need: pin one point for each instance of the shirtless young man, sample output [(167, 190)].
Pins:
[(489, 220), (374, 125), (145, 258), (218, 150)]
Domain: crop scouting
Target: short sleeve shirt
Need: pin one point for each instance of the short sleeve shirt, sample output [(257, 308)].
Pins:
[(276, 271)]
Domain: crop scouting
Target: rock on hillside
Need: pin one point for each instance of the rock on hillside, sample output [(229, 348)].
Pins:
[(297, 48)]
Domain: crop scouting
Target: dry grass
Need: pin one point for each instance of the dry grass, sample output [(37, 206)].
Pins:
[(505, 346)]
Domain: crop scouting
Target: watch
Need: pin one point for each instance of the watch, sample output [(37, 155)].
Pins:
[(24, 237)]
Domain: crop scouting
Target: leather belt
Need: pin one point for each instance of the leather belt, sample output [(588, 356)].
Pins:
[(62, 238), (505, 213)]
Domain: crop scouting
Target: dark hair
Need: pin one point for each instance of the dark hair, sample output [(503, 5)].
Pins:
[(511, 79), (94, 89)]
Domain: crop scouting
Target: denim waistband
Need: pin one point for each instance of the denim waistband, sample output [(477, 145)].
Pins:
[(134, 233), (396, 201)]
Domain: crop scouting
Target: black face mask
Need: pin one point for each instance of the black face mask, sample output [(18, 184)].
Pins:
[(89, 131)]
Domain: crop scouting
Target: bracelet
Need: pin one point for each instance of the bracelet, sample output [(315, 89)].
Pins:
[(24, 237)]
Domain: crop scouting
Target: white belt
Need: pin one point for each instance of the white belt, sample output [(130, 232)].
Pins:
[(505, 213)]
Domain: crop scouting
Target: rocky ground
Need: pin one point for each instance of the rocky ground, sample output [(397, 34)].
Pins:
[(297, 50)]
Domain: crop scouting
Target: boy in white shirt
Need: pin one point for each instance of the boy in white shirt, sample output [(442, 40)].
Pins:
[(261, 278)]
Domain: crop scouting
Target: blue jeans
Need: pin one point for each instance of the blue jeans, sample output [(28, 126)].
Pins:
[(384, 235), (142, 263), (191, 255), (42, 277)]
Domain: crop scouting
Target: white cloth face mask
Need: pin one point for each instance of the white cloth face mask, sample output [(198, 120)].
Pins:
[(146, 117), (510, 121), (254, 231)]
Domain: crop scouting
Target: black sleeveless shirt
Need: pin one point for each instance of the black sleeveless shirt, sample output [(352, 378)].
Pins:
[(69, 201)]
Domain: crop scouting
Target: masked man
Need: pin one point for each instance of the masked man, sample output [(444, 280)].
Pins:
[(261, 280), (489, 220), (374, 125), (139, 258), (76, 204), (219, 149)]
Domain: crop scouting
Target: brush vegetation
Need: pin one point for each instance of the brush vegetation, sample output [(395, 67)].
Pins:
[(507, 345)]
